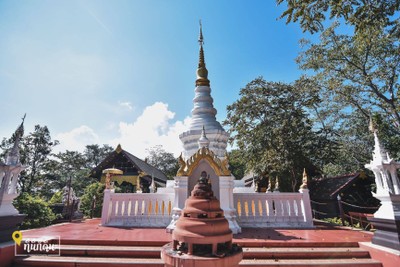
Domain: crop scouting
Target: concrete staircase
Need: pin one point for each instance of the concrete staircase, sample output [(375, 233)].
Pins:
[(138, 254)]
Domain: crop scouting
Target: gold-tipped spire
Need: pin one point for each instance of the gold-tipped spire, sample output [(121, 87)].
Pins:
[(305, 180), (202, 72)]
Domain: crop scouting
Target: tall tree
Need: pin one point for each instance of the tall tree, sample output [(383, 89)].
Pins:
[(355, 70), (270, 125), (163, 160), (359, 75), (363, 15), (65, 167), (95, 153), (237, 164)]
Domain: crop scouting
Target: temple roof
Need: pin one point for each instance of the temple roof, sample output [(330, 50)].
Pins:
[(329, 188), (129, 164)]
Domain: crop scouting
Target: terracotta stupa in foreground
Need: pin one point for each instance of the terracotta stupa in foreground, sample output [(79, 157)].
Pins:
[(202, 236)]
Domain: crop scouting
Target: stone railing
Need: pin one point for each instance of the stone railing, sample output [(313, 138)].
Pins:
[(286, 210), (253, 210), (137, 210)]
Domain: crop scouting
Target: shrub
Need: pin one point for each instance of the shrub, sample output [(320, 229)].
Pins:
[(37, 210), (56, 198), (93, 190)]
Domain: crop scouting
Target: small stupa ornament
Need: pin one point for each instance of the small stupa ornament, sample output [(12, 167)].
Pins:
[(9, 176), (203, 140), (202, 235), (386, 219)]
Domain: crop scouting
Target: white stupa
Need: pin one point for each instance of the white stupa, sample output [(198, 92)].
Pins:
[(203, 115)]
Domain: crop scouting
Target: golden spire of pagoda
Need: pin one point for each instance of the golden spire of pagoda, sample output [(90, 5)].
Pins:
[(202, 72)]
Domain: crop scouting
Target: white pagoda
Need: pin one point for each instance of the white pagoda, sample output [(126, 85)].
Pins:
[(9, 174), (204, 151), (386, 219)]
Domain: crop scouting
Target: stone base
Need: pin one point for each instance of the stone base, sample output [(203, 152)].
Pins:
[(173, 258), (387, 233), (9, 224)]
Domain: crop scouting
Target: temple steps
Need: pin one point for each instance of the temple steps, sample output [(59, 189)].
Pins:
[(293, 254), (313, 262)]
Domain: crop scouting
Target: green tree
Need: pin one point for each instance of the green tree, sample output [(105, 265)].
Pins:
[(37, 210), (361, 14), (236, 163), (355, 70), (163, 160), (35, 149), (94, 154), (64, 167), (93, 192), (270, 126), (362, 75)]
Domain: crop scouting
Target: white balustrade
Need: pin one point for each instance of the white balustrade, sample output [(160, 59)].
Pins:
[(253, 210), (286, 210), (137, 209)]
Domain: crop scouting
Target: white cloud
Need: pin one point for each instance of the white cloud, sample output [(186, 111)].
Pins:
[(153, 127), (126, 105), (76, 139)]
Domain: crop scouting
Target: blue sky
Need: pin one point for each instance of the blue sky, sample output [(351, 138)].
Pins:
[(124, 71)]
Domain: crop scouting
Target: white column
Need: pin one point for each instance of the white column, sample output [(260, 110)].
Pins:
[(105, 212), (395, 181), (306, 207), (181, 194), (226, 185)]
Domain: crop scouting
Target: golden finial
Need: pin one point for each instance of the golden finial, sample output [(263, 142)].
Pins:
[(118, 149), (202, 72), (305, 180), (276, 189), (201, 41)]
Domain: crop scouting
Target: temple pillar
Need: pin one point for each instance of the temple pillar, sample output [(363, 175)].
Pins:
[(386, 219), (181, 194), (226, 185)]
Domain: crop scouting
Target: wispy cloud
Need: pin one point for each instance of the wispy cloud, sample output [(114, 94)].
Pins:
[(126, 105), (98, 20)]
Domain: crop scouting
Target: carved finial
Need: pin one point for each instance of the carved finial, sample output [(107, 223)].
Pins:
[(380, 153), (305, 180), (118, 149), (13, 154), (371, 125), (276, 189), (201, 41), (269, 189)]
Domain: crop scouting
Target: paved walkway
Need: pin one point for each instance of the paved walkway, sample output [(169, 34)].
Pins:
[(91, 230)]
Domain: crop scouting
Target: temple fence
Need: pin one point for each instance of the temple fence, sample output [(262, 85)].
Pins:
[(253, 210)]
